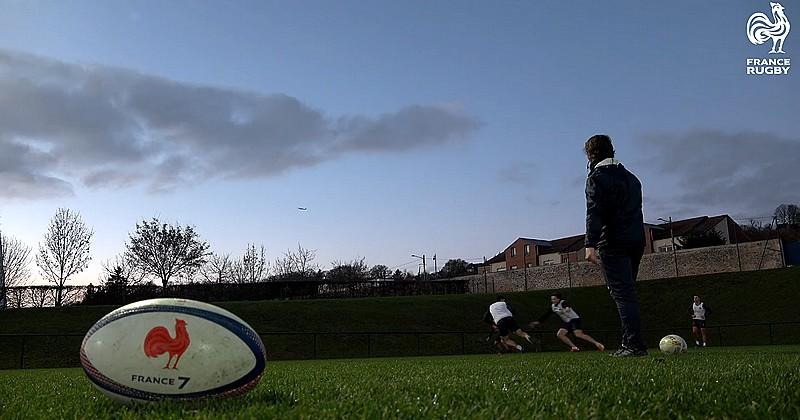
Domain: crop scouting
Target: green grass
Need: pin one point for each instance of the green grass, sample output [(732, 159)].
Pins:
[(745, 382)]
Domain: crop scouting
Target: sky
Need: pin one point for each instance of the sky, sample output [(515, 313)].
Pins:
[(414, 127)]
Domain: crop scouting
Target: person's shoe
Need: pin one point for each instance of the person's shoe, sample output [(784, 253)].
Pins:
[(601, 348), (625, 352), (705, 344), (519, 348), (529, 339), (697, 343), (574, 349)]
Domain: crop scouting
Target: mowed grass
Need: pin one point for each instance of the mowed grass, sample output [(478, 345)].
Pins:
[(743, 382)]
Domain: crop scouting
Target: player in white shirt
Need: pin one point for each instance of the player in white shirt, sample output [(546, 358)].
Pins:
[(572, 323), (502, 315), (699, 311)]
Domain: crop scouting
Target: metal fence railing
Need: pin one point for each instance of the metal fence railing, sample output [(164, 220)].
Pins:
[(18, 351)]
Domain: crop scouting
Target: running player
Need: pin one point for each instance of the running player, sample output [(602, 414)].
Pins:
[(572, 323), (503, 316), (699, 311)]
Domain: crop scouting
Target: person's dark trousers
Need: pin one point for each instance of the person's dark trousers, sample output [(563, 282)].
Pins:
[(620, 267)]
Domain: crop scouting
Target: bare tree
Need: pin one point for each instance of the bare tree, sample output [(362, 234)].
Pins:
[(299, 262), (122, 269), (253, 267), (217, 269), (40, 296), (787, 214), (14, 265), (348, 271), (65, 251), (164, 250)]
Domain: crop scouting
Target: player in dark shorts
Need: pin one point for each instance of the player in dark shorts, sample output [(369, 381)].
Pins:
[(572, 323), (503, 317), (493, 337), (699, 311)]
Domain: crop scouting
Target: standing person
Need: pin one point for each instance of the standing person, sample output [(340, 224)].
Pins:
[(503, 316), (572, 323), (699, 311), (615, 235)]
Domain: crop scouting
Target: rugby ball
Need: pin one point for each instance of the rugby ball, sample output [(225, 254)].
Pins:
[(672, 344), (175, 349)]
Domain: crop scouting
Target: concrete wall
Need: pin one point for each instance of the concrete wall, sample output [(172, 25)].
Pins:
[(692, 262)]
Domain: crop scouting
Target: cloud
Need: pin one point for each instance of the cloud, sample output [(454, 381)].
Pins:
[(744, 174), (105, 127)]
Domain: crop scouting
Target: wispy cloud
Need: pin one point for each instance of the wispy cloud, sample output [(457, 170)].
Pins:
[(745, 174), (63, 123)]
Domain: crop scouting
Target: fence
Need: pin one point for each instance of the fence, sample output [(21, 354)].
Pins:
[(42, 296), (61, 350)]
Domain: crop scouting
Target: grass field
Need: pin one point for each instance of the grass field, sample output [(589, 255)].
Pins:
[(743, 382)]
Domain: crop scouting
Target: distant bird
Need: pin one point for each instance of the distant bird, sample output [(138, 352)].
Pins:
[(302, 208), (158, 342), (760, 29)]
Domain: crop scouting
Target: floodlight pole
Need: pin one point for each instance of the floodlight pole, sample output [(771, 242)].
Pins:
[(672, 236)]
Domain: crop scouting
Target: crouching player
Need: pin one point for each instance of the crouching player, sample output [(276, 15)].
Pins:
[(572, 323), (503, 317)]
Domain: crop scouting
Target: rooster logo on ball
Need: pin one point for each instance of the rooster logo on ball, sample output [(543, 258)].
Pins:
[(760, 28), (158, 341)]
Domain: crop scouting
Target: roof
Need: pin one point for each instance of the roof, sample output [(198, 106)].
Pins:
[(700, 224), (563, 245), (539, 242), (501, 257)]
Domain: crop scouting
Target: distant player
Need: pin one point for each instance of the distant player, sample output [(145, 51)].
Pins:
[(572, 323), (699, 311), (503, 317)]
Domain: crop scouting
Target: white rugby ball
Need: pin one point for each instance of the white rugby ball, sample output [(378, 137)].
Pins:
[(172, 349), (672, 344)]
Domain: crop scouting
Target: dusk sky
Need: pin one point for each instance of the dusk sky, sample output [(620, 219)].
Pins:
[(405, 127)]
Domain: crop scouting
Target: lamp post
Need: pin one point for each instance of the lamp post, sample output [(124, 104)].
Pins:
[(672, 236), (424, 270), (2, 275)]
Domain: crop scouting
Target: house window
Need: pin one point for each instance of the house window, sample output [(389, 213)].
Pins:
[(666, 248), (564, 258), (513, 251), (530, 265), (527, 249), (513, 267)]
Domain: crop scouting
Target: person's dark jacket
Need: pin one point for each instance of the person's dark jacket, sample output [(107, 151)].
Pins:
[(613, 207)]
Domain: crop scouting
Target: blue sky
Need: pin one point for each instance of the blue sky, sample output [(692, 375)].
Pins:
[(510, 90)]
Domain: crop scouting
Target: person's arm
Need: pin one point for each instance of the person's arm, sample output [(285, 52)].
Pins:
[(594, 218), (708, 309), (487, 318), (510, 309)]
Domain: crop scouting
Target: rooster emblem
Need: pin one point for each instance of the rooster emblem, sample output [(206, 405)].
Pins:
[(760, 28), (158, 342)]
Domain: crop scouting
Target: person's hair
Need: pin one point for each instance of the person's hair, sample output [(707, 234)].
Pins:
[(558, 295), (500, 297), (598, 147)]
